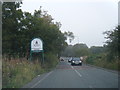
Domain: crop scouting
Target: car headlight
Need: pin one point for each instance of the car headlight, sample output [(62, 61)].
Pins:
[(73, 61), (80, 61)]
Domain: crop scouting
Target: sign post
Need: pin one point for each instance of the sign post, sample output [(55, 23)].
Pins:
[(37, 47)]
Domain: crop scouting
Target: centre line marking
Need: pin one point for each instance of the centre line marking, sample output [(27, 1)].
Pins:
[(76, 71), (41, 79)]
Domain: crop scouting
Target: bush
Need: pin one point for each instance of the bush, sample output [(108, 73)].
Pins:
[(101, 61), (16, 73), (50, 60), (91, 59)]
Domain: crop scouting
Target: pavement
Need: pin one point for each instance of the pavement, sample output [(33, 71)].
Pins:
[(67, 76)]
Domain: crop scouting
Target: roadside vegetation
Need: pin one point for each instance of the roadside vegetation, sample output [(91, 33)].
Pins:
[(18, 72), (18, 29), (101, 60), (76, 50), (106, 56)]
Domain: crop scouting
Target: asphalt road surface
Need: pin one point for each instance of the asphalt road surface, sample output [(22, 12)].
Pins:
[(67, 76), (0, 73)]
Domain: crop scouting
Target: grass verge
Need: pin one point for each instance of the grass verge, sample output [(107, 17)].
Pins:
[(17, 73)]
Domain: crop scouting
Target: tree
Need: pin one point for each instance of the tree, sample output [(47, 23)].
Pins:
[(97, 49), (81, 50), (68, 52), (113, 43), (69, 35), (19, 28), (77, 50), (11, 17)]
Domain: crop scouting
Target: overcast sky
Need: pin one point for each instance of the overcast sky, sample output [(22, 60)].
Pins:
[(87, 19)]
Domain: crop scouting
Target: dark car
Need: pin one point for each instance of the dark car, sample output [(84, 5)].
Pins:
[(76, 61)]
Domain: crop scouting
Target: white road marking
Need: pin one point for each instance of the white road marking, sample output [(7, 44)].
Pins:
[(41, 79), (80, 75), (76, 71)]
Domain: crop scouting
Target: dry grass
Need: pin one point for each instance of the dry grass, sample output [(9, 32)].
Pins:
[(16, 73)]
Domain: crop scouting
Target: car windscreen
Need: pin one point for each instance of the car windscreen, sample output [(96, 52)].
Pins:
[(77, 59)]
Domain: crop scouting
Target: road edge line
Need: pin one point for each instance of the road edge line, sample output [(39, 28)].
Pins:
[(41, 79)]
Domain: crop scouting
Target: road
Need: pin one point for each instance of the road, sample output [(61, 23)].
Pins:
[(0, 72), (67, 76)]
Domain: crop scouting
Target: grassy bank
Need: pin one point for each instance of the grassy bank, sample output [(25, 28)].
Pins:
[(101, 61), (17, 73)]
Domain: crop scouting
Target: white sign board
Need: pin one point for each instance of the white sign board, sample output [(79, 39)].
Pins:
[(36, 44)]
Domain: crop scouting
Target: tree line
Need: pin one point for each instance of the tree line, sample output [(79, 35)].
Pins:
[(19, 28), (110, 51), (80, 50)]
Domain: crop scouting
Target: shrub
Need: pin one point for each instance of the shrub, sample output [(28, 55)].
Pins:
[(50, 60), (101, 61), (16, 73)]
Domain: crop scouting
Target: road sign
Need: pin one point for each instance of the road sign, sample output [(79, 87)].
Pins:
[(36, 45)]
